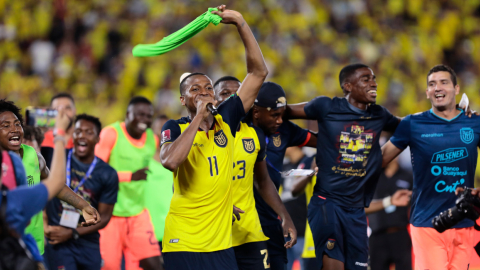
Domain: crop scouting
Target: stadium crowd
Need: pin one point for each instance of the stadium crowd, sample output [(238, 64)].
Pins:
[(75, 57), (84, 47)]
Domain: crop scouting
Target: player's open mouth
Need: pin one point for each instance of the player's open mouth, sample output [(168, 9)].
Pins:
[(82, 146), (142, 126), (14, 140), (439, 97), (372, 93)]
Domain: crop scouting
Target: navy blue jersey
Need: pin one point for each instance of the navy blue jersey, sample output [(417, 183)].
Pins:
[(288, 134), (100, 187), (444, 157), (349, 158)]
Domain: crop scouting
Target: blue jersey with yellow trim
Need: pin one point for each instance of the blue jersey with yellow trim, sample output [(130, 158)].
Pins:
[(200, 214), (444, 157)]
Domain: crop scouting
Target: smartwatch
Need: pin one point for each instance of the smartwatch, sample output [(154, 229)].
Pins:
[(75, 234)]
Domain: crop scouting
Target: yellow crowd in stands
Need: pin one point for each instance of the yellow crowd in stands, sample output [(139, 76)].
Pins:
[(305, 44)]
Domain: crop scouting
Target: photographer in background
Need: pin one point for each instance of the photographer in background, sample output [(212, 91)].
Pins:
[(24, 202), (65, 101)]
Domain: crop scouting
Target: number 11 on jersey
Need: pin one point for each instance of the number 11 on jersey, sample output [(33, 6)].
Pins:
[(211, 165)]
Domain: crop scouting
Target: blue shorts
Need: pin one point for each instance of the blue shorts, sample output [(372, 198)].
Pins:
[(216, 260), (252, 256), (339, 232), (73, 255), (276, 246)]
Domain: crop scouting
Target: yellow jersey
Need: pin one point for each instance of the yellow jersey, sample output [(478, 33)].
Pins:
[(250, 147), (309, 245), (200, 214)]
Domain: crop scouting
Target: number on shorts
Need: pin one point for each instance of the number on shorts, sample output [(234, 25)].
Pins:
[(152, 239), (265, 260)]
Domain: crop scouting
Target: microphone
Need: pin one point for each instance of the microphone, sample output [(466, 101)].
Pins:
[(212, 109)]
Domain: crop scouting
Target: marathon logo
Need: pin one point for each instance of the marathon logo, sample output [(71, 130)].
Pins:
[(449, 155), (361, 264)]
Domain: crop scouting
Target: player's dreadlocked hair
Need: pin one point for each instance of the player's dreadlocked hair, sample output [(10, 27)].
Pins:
[(348, 71), (92, 119), (9, 106)]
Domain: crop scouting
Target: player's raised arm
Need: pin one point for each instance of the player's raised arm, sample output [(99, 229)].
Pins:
[(256, 68)]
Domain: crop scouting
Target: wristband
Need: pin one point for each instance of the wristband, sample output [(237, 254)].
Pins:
[(387, 201), (61, 139), (59, 132)]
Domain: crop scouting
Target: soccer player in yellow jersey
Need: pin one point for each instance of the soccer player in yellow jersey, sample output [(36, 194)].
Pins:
[(198, 149), (249, 241)]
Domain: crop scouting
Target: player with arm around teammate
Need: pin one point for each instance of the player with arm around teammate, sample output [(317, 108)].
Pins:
[(249, 241), (268, 115), (349, 164)]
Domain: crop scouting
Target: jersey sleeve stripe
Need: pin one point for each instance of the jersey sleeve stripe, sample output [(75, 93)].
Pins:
[(306, 140)]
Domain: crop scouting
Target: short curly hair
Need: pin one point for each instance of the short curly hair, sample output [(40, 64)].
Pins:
[(92, 119), (9, 106)]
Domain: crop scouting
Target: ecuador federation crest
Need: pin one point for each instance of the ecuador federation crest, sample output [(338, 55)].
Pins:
[(248, 145), (467, 135), (330, 244), (277, 141), (220, 138)]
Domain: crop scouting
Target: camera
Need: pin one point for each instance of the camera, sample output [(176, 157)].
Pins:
[(40, 117), (466, 206)]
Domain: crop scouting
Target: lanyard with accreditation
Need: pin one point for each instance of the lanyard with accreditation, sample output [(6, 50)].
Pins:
[(70, 216)]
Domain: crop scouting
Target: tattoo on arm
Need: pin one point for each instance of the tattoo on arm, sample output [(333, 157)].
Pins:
[(243, 23), (70, 197)]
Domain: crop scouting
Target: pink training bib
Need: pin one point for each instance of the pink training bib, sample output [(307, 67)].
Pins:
[(8, 173)]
